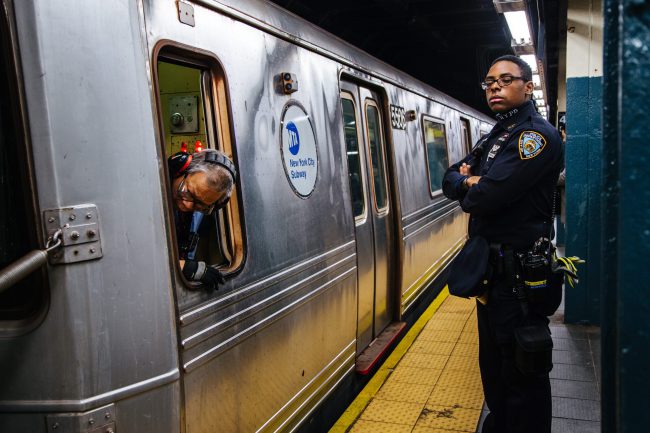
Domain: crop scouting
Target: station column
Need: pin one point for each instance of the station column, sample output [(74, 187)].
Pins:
[(626, 218)]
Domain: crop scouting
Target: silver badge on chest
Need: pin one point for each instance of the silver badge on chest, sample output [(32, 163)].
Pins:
[(493, 151)]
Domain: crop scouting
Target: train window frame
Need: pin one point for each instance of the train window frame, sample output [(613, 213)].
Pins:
[(468, 124), (19, 319), (217, 112), (361, 218), (382, 136), (428, 118)]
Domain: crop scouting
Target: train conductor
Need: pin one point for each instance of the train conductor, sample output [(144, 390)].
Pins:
[(201, 182)]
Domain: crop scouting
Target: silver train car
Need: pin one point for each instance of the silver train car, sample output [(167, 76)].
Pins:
[(336, 229)]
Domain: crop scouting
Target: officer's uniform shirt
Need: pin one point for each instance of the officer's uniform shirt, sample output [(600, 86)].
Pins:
[(519, 162)]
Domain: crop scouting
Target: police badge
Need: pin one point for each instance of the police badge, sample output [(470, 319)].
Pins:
[(531, 144)]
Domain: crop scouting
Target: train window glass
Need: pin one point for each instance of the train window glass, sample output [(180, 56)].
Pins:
[(17, 220), (351, 132), (376, 145), (465, 136), (436, 149), (194, 115)]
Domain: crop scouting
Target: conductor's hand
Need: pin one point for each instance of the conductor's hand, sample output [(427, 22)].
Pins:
[(465, 169), (201, 272)]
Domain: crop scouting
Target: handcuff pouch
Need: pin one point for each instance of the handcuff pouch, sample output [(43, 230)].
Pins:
[(533, 350)]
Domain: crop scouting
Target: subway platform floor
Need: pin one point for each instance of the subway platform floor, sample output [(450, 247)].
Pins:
[(431, 382)]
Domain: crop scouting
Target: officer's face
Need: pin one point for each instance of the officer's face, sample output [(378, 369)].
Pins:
[(504, 98), (192, 192)]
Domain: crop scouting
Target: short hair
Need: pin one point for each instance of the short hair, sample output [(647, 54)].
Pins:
[(219, 177), (524, 68)]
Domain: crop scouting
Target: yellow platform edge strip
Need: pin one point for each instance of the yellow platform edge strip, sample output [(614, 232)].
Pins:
[(368, 392)]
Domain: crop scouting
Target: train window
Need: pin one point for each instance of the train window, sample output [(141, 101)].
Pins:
[(192, 105), (351, 131), (465, 136), (17, 217), (376, 145), (436, 149)]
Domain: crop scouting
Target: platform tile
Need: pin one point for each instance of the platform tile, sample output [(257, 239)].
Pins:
[(468, 338), (395, 412), (456, 378), (577, 358), (465, 363), (423, 360), (573, 408), (449, 417), (573, 372), (439, 335), (366, 426), (407, 392), (570, 344), (574, 389), (432, 347), (465, 397), (471, 327), (562, 425), (445, 324), (465, 349), (422, 376), (457, 305)]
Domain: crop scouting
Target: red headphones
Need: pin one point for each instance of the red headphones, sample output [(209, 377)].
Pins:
[(179, 162)]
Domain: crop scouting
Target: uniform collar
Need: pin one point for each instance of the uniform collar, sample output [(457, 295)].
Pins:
[(514, 117)]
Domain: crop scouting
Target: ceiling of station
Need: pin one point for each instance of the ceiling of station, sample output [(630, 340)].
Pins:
[(447, 44)]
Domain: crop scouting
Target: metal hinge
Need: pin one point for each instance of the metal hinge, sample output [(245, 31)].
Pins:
[(100, 420), (79, 233)]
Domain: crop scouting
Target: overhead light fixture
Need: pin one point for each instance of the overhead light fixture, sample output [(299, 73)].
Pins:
[(538, 94), (518, 25)]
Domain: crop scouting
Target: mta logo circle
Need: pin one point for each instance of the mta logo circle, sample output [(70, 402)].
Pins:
[(294, 138)]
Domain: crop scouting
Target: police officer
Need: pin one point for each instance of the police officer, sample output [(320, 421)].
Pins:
[(201, 182), (506, 184)]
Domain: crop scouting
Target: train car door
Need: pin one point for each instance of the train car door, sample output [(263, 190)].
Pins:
[(369, 189)]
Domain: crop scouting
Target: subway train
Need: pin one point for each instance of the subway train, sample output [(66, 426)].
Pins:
[(336, 231)]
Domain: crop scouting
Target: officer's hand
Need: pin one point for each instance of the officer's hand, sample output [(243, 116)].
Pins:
[(472, 180), (201, 272), (465, 169)]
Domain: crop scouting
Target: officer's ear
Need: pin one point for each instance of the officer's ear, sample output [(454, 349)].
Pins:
[(529, 87)]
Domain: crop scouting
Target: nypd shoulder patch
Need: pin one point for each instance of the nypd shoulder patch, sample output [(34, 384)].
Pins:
[(531, 144)]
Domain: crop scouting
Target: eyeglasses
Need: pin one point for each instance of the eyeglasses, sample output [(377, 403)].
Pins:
[(504, 81), (184, 194)]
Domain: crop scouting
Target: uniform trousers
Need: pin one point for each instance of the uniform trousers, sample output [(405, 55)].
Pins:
[(518, 403)]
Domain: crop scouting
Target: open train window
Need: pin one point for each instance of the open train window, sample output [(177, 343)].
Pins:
[(194, 115), (435, 142), (355, 155), (18, 233)]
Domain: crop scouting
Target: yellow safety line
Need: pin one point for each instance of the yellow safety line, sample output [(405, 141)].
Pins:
[(368, 392)]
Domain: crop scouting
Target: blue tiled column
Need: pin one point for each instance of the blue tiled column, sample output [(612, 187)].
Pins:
[(583, 190)]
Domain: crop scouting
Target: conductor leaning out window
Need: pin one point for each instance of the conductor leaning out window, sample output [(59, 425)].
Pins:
[(201, 182), (506, 184)]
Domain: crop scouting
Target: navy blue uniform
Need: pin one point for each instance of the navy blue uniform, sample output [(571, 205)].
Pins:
[(519, 162)]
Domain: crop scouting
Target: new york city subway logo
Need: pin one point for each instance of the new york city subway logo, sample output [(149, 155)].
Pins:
[(531, 144), (294, 138)]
